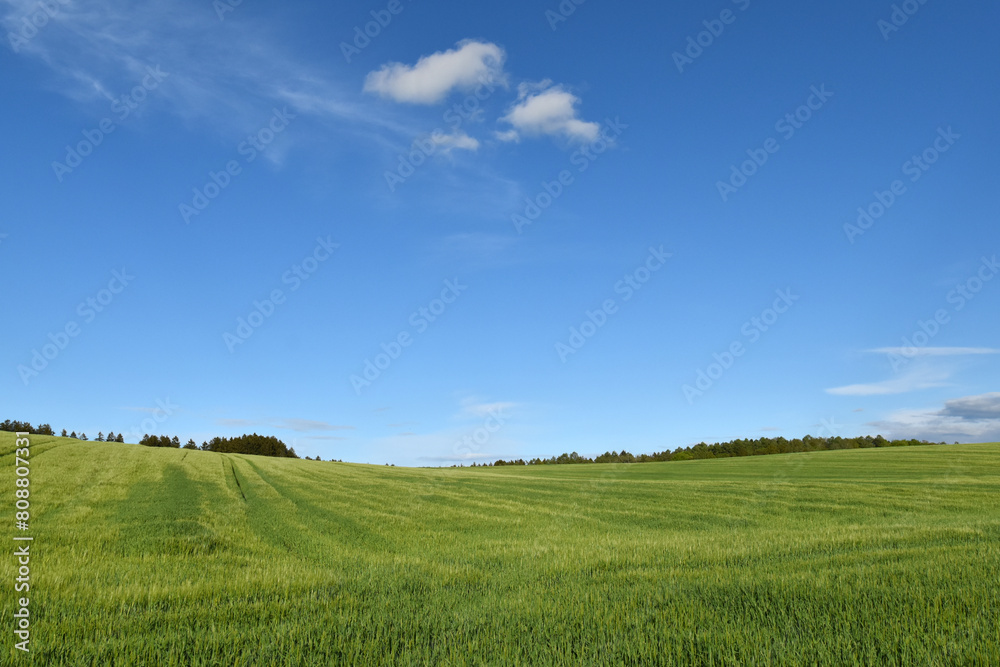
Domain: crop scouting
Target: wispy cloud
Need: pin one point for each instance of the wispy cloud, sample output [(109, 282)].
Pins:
[(297, 425), (225, 73), (914, 381), (473, 408), (935, 351), (238, 423), (460, 458), (307, 425)]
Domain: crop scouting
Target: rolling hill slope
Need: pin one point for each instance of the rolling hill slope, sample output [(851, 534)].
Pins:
[(174, 557)]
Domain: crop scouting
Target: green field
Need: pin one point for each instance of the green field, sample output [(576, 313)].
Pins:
[(173, 557)]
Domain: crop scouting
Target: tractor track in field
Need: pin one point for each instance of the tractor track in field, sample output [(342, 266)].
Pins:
[(239, 486), (261, 477)]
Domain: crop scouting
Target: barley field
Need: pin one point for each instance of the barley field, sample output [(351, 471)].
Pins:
[(173, 557)]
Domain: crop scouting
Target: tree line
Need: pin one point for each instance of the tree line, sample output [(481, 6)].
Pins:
[(258, 445), (742, 447), (15, 426), (111, 437), (25, 427)]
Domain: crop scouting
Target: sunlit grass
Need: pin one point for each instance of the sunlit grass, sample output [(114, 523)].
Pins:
[(173, 557)]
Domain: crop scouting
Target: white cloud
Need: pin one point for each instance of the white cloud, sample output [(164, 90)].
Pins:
[(459, 139), (435, 76), (544, 108)]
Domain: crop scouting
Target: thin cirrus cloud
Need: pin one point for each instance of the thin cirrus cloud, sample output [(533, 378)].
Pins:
[(917, 379), (100, 50), (914, 381), (474, 408), (547, 109), (934, 351), (434, 77), (297, 425)]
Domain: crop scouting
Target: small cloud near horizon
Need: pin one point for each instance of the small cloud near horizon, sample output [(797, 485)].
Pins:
[(966, 419)]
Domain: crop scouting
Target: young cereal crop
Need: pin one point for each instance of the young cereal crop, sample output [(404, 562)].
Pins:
[(175, 557)]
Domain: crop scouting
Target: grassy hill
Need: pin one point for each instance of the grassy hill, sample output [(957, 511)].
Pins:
[(174, 557)]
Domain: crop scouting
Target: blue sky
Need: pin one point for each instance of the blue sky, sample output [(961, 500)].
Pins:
[(491, 230)]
